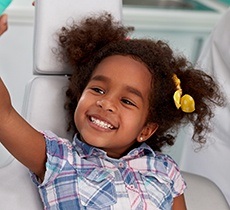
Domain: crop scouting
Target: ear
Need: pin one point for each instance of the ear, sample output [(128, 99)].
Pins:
[(147, 131)]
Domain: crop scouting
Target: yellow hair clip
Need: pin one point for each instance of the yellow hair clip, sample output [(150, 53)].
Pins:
[(185, 102)]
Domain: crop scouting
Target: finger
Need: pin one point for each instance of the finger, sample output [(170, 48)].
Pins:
[(3, 23)]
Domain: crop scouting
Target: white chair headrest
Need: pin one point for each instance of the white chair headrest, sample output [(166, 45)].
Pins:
[(50, 19)]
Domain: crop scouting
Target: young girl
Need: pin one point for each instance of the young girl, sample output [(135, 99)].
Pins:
[(126, 99)]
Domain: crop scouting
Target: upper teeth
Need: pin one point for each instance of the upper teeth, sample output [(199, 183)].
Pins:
[(101, 123)]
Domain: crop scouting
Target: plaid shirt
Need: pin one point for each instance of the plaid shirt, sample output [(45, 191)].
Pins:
[(79, 176)]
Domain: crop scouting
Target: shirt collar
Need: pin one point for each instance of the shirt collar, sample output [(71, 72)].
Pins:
[(140, 151), (85, 150)]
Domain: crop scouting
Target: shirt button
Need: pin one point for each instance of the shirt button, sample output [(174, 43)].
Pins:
[(136, 152), (121, 165)]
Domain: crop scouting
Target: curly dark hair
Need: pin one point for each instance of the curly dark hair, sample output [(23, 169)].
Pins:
[(85, 44)]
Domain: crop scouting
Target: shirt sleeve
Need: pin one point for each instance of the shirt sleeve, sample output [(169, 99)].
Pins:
[(58, 152), (178, 184)]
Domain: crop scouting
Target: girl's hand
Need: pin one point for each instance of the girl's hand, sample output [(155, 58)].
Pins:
[(3, 24)]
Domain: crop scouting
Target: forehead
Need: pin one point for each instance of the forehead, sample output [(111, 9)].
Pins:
[(123, 68)]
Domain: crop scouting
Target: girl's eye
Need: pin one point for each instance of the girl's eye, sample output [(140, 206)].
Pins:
[(98, 90), (128, 102)]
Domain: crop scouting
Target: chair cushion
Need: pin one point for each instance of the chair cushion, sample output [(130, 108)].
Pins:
[(49, 19), (5, 157), (203, 194), (17, 192), (44, 103)]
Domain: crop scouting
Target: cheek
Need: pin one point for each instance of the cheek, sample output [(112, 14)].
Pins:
[(78, 113), (76, 119), (134, 121), (82, 103)]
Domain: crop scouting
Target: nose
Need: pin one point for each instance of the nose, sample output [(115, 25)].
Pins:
[(106, 104)]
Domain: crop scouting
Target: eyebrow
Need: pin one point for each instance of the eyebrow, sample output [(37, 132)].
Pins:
[(127, 87), (101, 78), (135, 92)]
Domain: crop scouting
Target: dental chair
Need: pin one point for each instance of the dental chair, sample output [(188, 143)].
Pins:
[(44, 100)]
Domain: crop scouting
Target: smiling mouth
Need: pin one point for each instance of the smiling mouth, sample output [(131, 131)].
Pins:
[(101, 124)]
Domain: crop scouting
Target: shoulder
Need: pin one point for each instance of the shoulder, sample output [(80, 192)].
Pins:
[(166, 164), (57, 146), (156, 161), (167, 160)]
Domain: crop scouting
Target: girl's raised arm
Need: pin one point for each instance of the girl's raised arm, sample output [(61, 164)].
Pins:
[(24, 142), (179, 203)]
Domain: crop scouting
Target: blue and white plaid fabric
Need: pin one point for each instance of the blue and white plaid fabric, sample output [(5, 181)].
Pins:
[(80, 176)]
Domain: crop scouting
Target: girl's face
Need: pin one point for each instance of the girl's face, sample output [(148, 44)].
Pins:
[(112, 111)]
